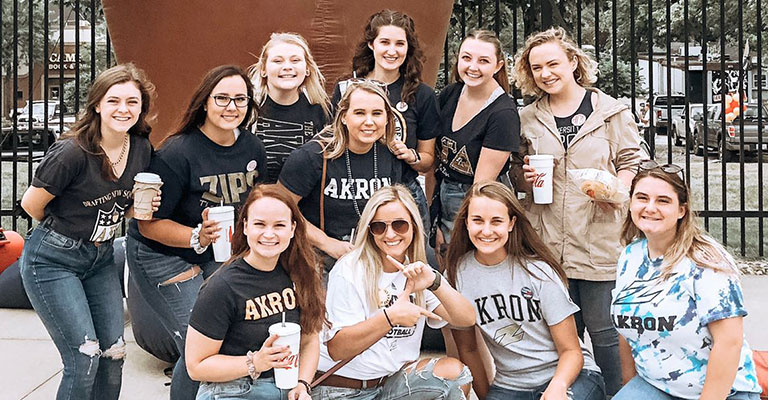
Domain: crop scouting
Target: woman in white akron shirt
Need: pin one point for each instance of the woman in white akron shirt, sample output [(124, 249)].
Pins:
[(379, 297)]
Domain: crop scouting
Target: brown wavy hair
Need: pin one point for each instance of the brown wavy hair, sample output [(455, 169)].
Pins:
[(87, 130), (298, 259), (586, 68), (489, 37), (523, 244), (194, 116), (690, 240), (363, 61)]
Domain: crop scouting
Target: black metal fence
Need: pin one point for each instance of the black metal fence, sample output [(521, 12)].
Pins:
[(676, 56)]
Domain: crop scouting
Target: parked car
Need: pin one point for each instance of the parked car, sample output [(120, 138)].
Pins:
[(678, 122), (728, 145), (53, 114), (660, 118)]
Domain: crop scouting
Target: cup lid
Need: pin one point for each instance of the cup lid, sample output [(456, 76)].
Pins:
[(221, 210), (290, 328), (540, 157), (147, 177)]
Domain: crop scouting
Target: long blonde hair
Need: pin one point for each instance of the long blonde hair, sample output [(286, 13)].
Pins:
[(370, 258), (586, 68), (335, 137), (314, 83), (690, 240)]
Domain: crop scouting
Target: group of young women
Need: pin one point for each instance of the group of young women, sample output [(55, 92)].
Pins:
[(333, 183)]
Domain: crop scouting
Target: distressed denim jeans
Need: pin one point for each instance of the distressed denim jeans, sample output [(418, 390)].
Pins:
[(171, 302), (74, 287)]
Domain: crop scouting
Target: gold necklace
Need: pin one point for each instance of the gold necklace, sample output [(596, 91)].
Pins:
[(122, 153)]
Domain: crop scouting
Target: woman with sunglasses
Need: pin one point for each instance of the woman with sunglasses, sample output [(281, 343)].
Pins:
[(581, 127), (293, 105), (524, 313), (379, 297), (390, 53), (81, 195), (210, 160), (229, 347), (333, 176), (677, 304)]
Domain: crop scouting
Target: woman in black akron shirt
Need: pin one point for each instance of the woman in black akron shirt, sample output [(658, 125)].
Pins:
[(81, 193), (210, 160), (389, 52), (333, 176), (293, 105)]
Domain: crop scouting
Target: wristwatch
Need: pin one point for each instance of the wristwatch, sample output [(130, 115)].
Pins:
[(194, 240), (436, 283)]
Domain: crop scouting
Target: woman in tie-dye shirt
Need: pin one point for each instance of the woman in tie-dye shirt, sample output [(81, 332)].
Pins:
[(677, 304)]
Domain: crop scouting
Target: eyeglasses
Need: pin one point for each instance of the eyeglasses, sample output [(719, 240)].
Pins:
[(647, 165), (400, 226), (223, 101)]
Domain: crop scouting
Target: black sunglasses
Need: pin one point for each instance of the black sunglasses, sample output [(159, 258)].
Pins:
[(647, 165), (400, 226)]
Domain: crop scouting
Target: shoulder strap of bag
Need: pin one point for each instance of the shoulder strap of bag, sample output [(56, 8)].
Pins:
[(330, 372)]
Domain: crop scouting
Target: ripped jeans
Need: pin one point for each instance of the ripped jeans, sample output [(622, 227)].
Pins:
[(171, 302), (74, 287), (408, 383)]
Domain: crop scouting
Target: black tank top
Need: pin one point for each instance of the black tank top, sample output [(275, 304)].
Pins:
[(569, 126)]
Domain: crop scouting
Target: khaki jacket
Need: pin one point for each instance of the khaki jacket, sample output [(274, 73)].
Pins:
[(585, 238)]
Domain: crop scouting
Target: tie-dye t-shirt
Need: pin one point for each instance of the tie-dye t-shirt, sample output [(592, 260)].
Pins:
[(665, 321)]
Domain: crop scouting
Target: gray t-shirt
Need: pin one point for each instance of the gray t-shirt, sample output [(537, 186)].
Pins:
[(515, 322)]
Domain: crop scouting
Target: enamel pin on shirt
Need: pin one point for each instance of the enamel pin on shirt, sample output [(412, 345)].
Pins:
[(401, 106)]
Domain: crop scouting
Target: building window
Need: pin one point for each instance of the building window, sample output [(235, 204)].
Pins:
[(19, 95), (54, 93)]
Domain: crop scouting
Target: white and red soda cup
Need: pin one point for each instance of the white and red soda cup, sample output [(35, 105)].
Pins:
[(288, 334), (225, 216), (543, 164)]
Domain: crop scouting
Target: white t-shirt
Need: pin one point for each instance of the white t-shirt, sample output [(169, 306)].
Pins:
[(665, 321), (347, 305), (514, 313)]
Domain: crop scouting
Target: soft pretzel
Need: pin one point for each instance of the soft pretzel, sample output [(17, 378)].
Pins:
[(597, 190)]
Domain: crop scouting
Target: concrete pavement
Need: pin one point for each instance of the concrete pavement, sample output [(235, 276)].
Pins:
[(30, 367)]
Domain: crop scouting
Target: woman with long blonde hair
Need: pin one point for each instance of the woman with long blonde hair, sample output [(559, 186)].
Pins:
[(678, 303), (380, 295), (289, 89), (581, 127), (333, 176)]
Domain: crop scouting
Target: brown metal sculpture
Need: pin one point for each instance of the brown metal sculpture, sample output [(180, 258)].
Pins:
[(177, 41)]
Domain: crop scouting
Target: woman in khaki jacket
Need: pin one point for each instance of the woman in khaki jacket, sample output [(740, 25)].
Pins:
[(582, 128)]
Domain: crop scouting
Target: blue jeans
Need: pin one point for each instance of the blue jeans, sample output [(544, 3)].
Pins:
[(587, 386), (172, 302), (594, 299), (421, 201), (75, 289), (241, 388), (451, 196), (639, 388), (408, 383)]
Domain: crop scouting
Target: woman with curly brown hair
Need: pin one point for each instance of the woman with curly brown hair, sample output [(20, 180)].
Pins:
[(390, 54)]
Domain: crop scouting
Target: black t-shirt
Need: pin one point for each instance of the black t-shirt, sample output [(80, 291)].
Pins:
[(303, 171), (422, 117), (238, 303), (86, 205), (569, 126), (496, 127), (198, 173), (284, 129)]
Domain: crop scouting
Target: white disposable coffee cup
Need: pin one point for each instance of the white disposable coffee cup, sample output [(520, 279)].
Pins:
[(146, 185), (288, 334), (225, 216), (542, 185)]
